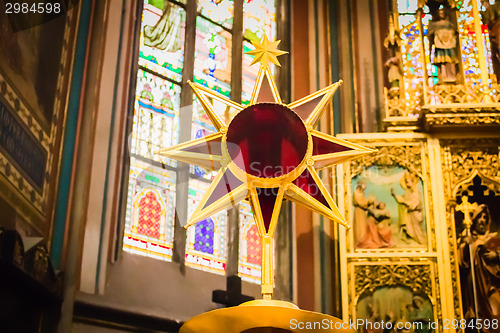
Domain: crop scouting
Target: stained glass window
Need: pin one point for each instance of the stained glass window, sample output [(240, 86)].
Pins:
[(412, 49), (151, 193), (156, 118), (204, 236), (250, 253), (162, 38), (259, 19), (150, 211), (202, 252), (220, 11), (253, 246), (413, 64), (212, 65), (469, 47)]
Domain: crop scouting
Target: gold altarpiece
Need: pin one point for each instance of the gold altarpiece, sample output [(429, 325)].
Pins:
[(406, 245)]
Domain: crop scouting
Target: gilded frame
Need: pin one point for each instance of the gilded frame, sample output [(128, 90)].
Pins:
[(420, 154), (464, 159)]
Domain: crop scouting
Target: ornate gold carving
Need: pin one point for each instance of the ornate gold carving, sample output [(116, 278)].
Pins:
[(369, 277), (41, 264), (463, 156), (407, 156), (468, 119), (459, 93)]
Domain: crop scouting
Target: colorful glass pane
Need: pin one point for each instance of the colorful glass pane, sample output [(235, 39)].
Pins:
[(469, 47), (407, 6), (259, 19), (211, 257), (254, 248), (250, 252), (413, 64), (202, 126), (212, 65), (149, 216), (249, 74), (204, 236), (156, 118), (149, 221), (220, 11), (162, 38)]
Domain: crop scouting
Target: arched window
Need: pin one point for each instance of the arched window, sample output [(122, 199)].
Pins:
[(202, 41), (149, 228)]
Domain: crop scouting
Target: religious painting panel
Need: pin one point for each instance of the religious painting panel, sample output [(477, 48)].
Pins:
[(150, 212), (388, 209), (35, 71), (386, 198), (394, 296), (472, 191)]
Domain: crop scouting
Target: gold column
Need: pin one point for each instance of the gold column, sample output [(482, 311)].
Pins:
[(480, 47), (267, 267), (422, 52)]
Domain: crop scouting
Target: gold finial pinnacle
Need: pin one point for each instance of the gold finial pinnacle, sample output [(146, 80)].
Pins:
[(266, 52)]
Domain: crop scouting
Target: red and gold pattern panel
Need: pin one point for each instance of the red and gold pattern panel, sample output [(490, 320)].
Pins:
[(254, 248), (149, 216)]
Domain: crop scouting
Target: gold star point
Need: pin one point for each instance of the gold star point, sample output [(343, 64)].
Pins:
[(266, 52)]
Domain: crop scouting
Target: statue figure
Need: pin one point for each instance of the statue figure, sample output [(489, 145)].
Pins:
[(378, 232), (411, 217), (361, 204), (479, 259), (491, 17), (393, 45), (442, 34)]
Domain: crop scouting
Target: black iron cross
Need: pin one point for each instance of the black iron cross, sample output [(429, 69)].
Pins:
[(232, 296)]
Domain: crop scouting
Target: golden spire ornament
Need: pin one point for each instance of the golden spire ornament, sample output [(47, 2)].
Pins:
[(266, 52), (269, 152)]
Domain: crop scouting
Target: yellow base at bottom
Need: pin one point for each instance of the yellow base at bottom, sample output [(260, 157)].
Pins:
[(264, 316)]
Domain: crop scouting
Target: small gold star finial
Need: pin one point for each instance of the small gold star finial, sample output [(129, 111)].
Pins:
[(266, 52)]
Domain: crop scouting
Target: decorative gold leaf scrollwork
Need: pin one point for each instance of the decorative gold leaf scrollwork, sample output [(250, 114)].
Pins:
[(370, 277), (407, 156)]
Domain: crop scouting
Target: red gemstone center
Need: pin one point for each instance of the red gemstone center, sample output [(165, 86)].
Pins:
[(267, 140)]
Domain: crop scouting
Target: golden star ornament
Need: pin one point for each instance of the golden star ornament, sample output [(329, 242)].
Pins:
[(266, 52), (268, 152)]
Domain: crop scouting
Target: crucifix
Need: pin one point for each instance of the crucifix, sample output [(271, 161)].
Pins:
[(233, 295), (467, 208)]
